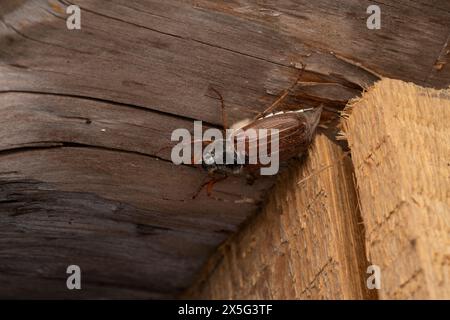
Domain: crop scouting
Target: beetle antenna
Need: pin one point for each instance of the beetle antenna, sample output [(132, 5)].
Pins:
[(194, 160), (306, 110)]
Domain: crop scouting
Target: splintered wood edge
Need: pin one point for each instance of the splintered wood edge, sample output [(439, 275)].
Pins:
[(379, 86)]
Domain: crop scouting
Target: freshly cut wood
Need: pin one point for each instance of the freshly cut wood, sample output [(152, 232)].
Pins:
[(399, 135), (306, 244)]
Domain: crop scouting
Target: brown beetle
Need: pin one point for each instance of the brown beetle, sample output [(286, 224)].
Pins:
[(296, 130)]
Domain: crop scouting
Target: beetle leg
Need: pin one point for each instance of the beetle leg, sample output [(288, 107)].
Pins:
[(224, 114)]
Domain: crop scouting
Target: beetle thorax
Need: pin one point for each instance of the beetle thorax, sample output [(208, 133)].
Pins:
[(219, 157)]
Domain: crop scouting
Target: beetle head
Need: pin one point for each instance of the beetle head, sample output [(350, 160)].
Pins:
[(216, 155)]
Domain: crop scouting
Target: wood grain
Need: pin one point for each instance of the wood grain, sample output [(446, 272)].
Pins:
[(400, 138)]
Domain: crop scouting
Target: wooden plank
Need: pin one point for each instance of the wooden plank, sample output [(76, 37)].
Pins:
[(306, 244), (400, 138)]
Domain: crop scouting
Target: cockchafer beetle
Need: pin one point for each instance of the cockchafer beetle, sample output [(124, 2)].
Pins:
[(295, 129)]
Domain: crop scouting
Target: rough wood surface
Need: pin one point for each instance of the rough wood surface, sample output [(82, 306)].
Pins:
[(83, 114), (307, 243), (71, 193), (399, 135)]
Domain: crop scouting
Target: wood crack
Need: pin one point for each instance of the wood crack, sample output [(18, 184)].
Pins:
[(61, 144)]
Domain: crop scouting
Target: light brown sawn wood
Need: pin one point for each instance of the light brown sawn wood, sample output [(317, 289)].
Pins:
[(307, 243), (399, 135)]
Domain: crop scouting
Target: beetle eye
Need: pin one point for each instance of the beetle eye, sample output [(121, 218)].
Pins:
[(208, 159)]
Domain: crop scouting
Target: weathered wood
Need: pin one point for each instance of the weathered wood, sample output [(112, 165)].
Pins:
[(59, 120), (85, 112), (400, 140), (307, 243), (83, 204)]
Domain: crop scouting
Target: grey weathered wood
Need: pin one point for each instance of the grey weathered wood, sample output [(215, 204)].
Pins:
[(83, 114), (126, 219)]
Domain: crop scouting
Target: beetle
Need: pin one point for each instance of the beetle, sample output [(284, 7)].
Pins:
[(296, 130)]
